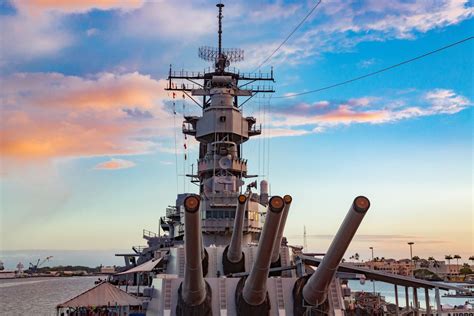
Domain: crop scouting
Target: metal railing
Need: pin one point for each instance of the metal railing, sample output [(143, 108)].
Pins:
[(148, 233)]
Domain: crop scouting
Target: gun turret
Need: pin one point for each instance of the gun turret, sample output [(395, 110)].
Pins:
[(194, 294), (315, 290), (281, 228), (251, 293), (233, 259)]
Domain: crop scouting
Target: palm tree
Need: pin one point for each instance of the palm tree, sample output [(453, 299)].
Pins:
[(415, 260), (449, 258), (431, 259), (355, 257), (457, 257)]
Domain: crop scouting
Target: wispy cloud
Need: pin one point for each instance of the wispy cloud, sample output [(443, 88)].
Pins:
[(367, 63), (368, 110), (264, 12), (273, 132), (30, 37), (341, 25), (166, 163), (39, 28), (92, 32), (114, 164), (170, 20), (382, 238)]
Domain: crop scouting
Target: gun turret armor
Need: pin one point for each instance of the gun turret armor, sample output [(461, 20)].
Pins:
[(194, 294), (233, 259), (314, 292)]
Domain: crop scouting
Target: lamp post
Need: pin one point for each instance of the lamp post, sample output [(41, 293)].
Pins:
[(373, 267), (411, 243)]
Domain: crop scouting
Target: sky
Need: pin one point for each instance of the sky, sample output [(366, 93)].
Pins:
[(88, 133)]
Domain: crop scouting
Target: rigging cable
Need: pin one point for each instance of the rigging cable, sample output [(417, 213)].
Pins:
[(377, 71), (259, 139), (175, 145), (264, 135), (289, 35), (185, 145), (269, 139)]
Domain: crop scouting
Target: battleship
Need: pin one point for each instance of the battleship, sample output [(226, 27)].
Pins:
[(223, 251)]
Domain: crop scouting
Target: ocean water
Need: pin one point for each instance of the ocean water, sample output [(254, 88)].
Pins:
[(39, 296)]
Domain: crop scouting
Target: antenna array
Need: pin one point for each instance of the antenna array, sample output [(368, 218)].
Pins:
[(212, 54)]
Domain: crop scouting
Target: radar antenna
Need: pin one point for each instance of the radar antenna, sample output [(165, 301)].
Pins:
[(222, 57), (220, 16)]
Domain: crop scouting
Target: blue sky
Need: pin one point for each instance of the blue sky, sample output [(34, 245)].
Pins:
[(88, 135)]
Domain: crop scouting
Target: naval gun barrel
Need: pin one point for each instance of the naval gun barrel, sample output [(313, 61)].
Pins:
[(254, 291), (193, 293), (314, 291), (276, 248), (234, 252)]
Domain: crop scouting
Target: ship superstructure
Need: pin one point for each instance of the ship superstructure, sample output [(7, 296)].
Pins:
[(221, 132), (223, 252)]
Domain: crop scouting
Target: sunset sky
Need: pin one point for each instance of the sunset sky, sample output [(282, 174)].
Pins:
[(87, 130)]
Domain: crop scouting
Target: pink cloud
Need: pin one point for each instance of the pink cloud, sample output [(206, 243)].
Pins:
[(48, 115), (75, 6), (369, 110), (114, 164)]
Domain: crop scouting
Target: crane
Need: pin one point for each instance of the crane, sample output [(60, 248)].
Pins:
[(34, 267)]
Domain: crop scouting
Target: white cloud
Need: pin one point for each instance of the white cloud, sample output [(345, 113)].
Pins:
[(26, 37), (92, 32), (273, 132), (38, 28), (168, 19), (265, 12), (338, 26), (366, 63), (446, 101)]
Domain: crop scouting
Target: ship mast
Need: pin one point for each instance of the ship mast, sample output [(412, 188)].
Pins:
[(220, 131)]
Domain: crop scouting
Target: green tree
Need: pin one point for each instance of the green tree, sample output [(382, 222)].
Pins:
[(465, 270)]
